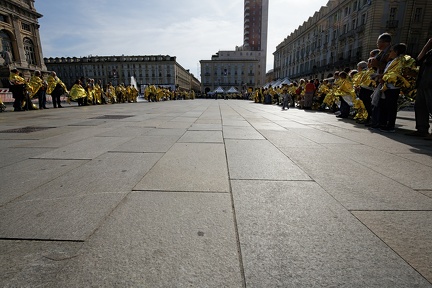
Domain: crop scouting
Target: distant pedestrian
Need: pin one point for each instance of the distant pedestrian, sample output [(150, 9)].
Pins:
[(309, 93), (286, 98)]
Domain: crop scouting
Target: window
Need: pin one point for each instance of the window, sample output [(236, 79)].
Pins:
[(363, 19), (418, 14), (25, 26), (393, 12), (7, 44), (29, 51)]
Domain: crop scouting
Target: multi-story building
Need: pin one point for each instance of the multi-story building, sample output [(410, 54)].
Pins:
[(20, 41), (160, 70), (343, 33), (246, 65)]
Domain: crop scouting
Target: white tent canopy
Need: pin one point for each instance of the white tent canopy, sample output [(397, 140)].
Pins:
[(232, 90), (219, 90), (278, 83)]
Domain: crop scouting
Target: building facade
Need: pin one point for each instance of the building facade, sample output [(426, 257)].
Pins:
[(343, 32), (20, 41), (160, 70), (246, 65)]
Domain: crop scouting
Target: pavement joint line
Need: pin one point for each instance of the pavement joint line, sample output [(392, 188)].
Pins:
[(135, 152), (390, 210), (274, 180), (63, 159), (236, 230), (40, 240), (173, 191)]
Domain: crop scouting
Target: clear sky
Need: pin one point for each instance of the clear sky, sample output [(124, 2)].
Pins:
[(191, 30)]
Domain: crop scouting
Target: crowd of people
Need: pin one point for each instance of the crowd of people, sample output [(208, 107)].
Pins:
[(153, 93), (84, 91), (372, 94)]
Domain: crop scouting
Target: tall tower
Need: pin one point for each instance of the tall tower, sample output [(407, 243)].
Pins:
[(246, 66), (255, 32), (255, 25)]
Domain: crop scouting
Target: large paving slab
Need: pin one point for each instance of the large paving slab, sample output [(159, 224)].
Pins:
[(386, 163), (395, 142), (293, 234), (422, 157), (72, 218), (166, 132), (13, 155), (88, 148), (202, 125), (189, 167), (175, 125), (202, 137), (33, 263), (22, 177), (354, 185), (427, 193), (110, 172), (125, 131), (238, 132), (408, 233), (149, 143), (263, 125), (65, 136), (11, 143), (259, 159), (321, 137), (288, 139), (156, 239)]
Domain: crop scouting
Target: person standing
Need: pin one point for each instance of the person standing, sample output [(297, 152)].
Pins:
[(379, 63), (42, 95), (309, 93), (285, 97), (78, 93), (56, 88), (393, 81), (98, 92), (17, 88), (423, 101), (35, 86)]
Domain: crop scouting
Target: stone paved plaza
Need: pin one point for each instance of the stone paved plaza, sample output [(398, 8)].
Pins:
[(211, 193)]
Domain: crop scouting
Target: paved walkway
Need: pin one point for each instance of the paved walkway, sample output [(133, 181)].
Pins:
[(209, 193)]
